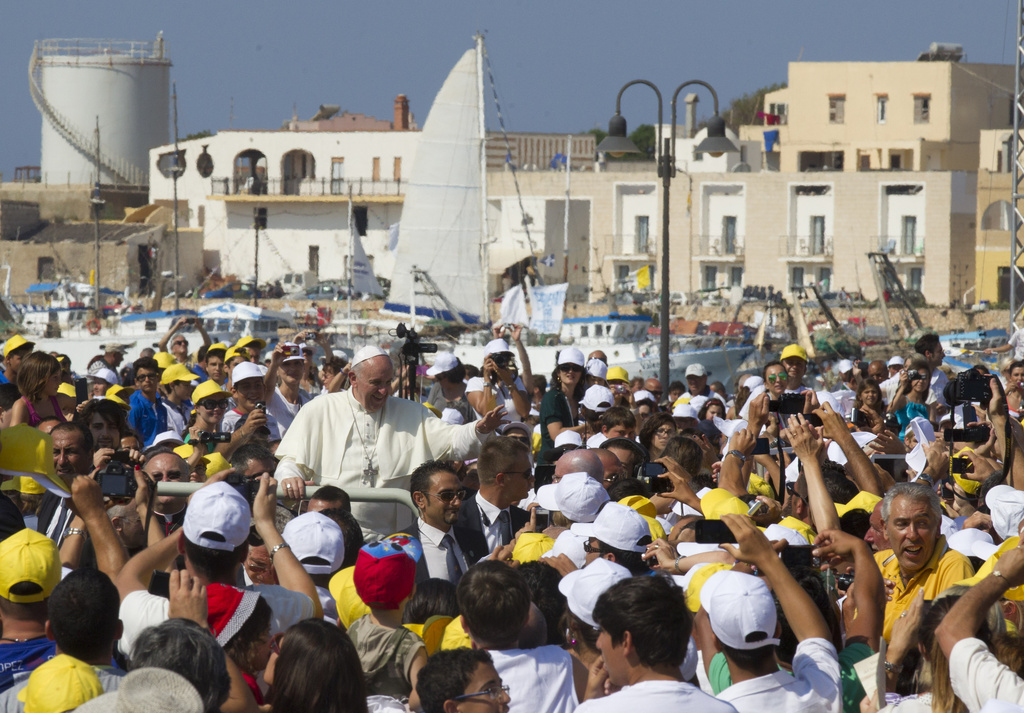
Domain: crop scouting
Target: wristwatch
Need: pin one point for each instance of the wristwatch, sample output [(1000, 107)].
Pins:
[(738, 454), (893, 667)]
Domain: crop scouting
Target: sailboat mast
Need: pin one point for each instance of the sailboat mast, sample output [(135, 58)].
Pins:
[(568, 188), (485, 263), (350, 259)]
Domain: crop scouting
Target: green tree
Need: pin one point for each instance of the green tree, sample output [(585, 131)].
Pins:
[(743, 110), (646, 139), (198, 135)]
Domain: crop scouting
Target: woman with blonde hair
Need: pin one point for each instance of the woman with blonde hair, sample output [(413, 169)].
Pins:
[(39, 379)]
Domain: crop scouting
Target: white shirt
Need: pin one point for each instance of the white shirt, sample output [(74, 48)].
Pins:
[(539, 680), (284, 411), (1017, 342), (332, 435), (814, 685), (977, 676), (435, 555), (656, 697), (232, 419), (501, 396), (175, 421), (141, 609), (489, 522)]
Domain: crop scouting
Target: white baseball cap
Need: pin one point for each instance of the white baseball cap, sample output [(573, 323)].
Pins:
[(453, 417), (583, 587), (218, 517), (571, 546), (776, 532), (596, 367), (245, 370), (618, 526), (545, 497), (496, 346), (368, 352), (107, 375), (741, 610), (843, 366), (696, 370), (598, 398), (579, 497), (313, 534), (165, 438), (895, 361), (684, 411), (504, 428), (643, 395), (444, 361), (568, 438), (1007, 507), (571, 355), (965, 541)]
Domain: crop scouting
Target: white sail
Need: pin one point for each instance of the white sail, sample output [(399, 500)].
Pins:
[(442, 220)]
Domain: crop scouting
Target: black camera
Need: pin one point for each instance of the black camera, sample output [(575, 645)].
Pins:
[(413, 347), (260, 406), (788, 403), (971, 434), (650, 475), (207, 437), (117, 480), (246, 487), (504, 360), (843, 581), (968, 386)]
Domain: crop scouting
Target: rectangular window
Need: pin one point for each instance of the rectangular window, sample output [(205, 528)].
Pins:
[(817, 234), (865, 162), (922, 108), (641, 231), (825, 279), (836, 109), (895, 161), (710, 277), (623, 271), (398, 168), (729, 234), (882, 102), (45, 270), (314, 259), (796, 277), (337, 176), (736, 276), (376, 168), (909, 234), (914, 278)]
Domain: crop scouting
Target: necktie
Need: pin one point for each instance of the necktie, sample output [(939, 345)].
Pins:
[(504, 527), (454, 569)]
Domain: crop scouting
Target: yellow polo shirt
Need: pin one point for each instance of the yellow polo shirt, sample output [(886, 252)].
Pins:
[(945, 568)]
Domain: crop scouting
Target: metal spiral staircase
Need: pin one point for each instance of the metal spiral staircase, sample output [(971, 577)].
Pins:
[(122, 170)]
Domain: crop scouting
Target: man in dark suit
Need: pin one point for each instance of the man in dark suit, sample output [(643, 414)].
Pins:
[(487, 518), (438, 496)]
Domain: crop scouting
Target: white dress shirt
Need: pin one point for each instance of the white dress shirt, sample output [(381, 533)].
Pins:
[(435, 554), (814, 685), (490, 523)]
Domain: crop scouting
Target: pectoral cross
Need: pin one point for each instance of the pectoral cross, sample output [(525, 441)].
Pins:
[(369, 474)]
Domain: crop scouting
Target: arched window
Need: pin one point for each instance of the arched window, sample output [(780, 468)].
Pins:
[(998, 216), (298, 169), (250, 174)]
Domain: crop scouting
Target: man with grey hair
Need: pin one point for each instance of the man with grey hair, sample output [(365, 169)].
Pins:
[(184, 647), (920, 557), (367, 438)]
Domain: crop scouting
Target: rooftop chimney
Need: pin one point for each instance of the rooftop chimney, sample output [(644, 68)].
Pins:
[(401, 122), (691, 115)]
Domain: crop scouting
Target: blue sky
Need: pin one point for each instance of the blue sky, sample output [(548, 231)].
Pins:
[(558, 64)]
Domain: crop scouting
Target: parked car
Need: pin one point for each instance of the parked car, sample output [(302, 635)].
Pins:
[(329, 290), (297, 284), (231, 291)]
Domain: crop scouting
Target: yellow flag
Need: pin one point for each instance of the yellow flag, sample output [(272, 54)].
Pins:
[(643, 277)]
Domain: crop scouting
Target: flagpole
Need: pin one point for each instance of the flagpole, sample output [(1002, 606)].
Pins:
[(568, 185), (351, 242)]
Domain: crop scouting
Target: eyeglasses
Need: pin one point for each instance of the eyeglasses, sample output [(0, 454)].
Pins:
[(791, 489), (528, 474), (181, 344), (570, 367), (772, 378), (915, 375), (169, 475), (592, 549), (448, 496), (495, 692), (213, 404), (665, 432), (146, 377)]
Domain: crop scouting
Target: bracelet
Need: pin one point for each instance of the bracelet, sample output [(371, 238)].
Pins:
[(676, 565), (893, 667), (738, 454), (276, 548), (75, 531), (997, 573)]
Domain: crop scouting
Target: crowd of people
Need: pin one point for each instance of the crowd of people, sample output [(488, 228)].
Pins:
[(847, 540)]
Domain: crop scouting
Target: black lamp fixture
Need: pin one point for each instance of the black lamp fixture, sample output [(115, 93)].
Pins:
[(616, 143)]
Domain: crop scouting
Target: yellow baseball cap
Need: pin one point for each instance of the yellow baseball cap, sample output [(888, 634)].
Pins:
[(800, 526), (66, 389), (1017, 593), (719, 502), (697, 580), (119, 401), (343, 588), (28, 557), (209, 389), (236, 352), (455, 636), (27, 451), (61, 684), (16, 342), (793, 350), (759, 486), (23, 484), (432, 631), (215, 463), (530, 546), (185, 451), (861, 501), (616, 373), (164, 359), (177, 372), (250, 341), (217, 347)]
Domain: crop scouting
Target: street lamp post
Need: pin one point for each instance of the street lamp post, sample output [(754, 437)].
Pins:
[(617, 143)]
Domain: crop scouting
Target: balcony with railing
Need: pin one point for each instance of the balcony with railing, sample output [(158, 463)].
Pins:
[(719, 248), (808, 247), (905, 248), (246, 188)]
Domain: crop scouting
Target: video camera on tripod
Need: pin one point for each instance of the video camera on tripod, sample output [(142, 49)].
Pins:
[(411, 352)]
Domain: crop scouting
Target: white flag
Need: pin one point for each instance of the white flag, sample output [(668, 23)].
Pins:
[(393, 237), (363, 279), (513, 307), (547, 303)]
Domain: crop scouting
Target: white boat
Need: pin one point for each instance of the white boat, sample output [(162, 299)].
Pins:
[(227, 321)]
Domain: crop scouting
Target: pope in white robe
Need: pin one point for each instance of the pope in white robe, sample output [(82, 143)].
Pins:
[(364, 437)]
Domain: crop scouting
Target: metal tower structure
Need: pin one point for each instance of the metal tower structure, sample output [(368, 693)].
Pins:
[(1016, 245)]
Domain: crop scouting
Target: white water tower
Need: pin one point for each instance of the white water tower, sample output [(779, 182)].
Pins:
[(125, 83)]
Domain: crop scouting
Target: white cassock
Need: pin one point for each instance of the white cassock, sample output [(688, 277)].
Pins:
[(335, 441)]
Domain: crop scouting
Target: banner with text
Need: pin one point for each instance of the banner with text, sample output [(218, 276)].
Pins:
[(547, 304)]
